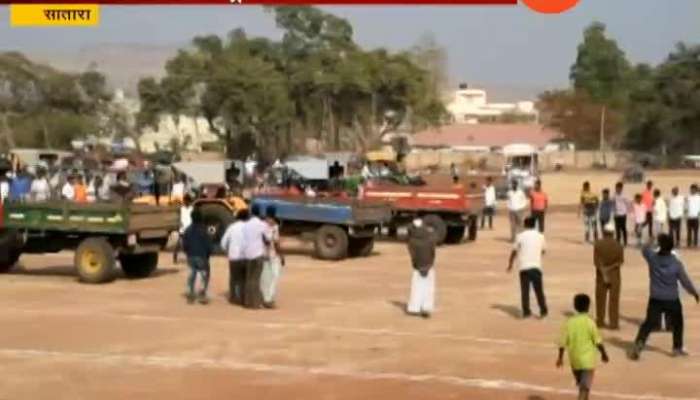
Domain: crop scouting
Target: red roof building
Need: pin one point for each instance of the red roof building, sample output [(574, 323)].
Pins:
[(484, 136)]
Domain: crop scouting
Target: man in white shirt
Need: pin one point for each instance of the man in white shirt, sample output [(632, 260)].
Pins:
[(232, 244), (676, 207), (40, 190), (489, 203), (528, 248), (4, 188), (67, 191), (660, 213), (256, 236), (693, 215), (178, 191), (185, 222), (517, 206)]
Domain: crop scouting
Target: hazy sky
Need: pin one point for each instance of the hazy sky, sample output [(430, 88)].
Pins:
[(485, 44)]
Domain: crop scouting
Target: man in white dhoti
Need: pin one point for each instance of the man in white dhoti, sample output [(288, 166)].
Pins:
[(274, 261), (421, 246)]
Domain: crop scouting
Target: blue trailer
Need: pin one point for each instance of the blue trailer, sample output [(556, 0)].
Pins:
[(338, 227)]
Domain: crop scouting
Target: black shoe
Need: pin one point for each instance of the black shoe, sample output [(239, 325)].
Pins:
[(425, 315), (543, 314), (526, 315), (271, 305), (636, 351)]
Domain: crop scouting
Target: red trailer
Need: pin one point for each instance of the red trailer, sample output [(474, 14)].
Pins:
[(450, 211)]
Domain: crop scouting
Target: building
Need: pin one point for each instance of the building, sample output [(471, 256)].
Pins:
[(483, 137), (471, 106)]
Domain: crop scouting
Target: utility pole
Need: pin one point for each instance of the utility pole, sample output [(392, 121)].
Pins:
[(602, 136)]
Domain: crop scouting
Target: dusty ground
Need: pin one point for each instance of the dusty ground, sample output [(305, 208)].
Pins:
[(340, 332)]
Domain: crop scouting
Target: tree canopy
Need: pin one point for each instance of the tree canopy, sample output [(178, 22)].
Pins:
[(268, 97)]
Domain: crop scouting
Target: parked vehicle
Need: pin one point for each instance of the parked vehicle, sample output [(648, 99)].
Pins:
[(100, 234), (338, 227)]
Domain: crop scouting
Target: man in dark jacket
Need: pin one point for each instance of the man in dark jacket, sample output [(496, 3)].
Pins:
[(666, 271), (608, 257), (198, 247), (421, 246)]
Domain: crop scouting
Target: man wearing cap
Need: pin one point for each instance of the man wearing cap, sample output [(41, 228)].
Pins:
[(608, 257), (421, 247)]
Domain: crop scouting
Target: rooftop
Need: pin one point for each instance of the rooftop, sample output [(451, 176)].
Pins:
[(484, 135)]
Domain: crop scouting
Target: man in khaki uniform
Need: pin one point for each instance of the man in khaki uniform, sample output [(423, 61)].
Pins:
[(608, 257)]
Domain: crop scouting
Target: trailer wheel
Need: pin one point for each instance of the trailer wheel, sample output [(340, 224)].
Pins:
[(216, 218), (437, 224), (360, 247), (10, 250), (473, 228), (331, 243), (94, 260), (138, 265), (455, 234)]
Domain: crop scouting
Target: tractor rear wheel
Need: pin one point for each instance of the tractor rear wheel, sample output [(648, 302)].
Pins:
[(216, 218), (455, 234), (138, 265), (94, 260), (331, 243), (10, 249)]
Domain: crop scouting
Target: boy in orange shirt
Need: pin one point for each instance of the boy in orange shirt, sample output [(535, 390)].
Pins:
[(80, 190), (648, 201), (538, 204)]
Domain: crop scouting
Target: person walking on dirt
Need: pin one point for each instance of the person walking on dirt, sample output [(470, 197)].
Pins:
[(421, 247), (489, 203), (606, 211), (232, 244), (676, 207), (623, 207), (581, 340), (608, 257), (588, 206), (666, 271), (648, 201), (660, 212), (185, 221), (693, 217), (198, 248), (517, 203), (274, 261), (256, 238), (528, 248), (639, 211), (538, 205)]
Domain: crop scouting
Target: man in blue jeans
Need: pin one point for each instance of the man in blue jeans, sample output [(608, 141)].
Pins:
[(198, 247), (666, 271)]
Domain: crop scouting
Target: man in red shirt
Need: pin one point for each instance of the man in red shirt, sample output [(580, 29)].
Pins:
[(648, 201), (538, 204)]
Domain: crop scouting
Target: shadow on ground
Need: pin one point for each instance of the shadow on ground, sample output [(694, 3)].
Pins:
[(510, 310), (627, 346)]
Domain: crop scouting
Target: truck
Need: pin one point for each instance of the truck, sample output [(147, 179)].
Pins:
[(338, 227), (449, 210), (99, 233)]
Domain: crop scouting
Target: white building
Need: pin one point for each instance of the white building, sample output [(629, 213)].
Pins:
[(471, 106), (189, 132)]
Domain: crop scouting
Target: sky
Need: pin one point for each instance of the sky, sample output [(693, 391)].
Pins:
[(496, 44)]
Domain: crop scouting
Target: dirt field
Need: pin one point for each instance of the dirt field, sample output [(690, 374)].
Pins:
[(340, 332)]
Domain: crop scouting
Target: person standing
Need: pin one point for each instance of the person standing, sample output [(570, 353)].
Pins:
[(538, 204), (622, 208), (588, 206), (40, 190), (21, 185), (517, 203), (232, 244), (421, 247), (198, 248), (185, 221), (660, 212), (68, 191), (606, 210), (177, 194), (648, 201), (274, 261), (528, 248), (489, 203), (693, 215), (4, 188), (666, 271), (676, 207), (639, 210), (608, 257), (256, 237), (582, 341), (80, 191)]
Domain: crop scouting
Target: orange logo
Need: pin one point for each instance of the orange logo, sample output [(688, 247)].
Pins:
[(550, 6)]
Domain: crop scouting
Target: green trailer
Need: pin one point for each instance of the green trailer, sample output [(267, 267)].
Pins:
[(100, 234)]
